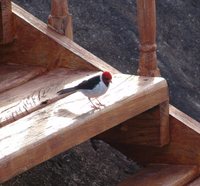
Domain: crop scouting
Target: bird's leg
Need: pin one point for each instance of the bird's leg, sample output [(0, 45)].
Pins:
[(93, 105), (99, 103)]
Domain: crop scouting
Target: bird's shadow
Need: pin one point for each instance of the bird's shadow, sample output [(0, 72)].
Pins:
[(69, 114)]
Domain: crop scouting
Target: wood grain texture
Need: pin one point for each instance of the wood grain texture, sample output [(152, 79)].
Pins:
[(24, 99), (6, 22), (162, 175), (12, 75), (146, 14), (183, 147), (71, 121), (60, 20), (35, 44), (151, 128), (196, 182)]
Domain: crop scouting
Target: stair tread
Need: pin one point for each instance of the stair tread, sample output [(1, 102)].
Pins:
[(13, 75), (44, 132), (196, 182), (162, 175)]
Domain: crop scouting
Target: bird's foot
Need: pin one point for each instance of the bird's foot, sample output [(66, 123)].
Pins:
[(95, 107), (100, 104)]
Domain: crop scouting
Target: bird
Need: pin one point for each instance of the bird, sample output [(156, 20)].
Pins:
[(93, 87)]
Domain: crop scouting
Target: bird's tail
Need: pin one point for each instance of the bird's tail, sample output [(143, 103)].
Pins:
[(67, 90)]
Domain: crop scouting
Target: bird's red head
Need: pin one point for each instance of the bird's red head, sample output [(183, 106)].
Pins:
[(107, 77)]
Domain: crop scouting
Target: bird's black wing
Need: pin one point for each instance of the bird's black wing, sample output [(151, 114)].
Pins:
[(67, 90), (90, 83)]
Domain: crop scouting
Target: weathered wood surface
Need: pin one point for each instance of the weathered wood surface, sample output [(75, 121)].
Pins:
[(163, 175), (183, 148), (60, 20), (70, 121), (6, 22), (12, 75), (196, 182), (35, 44), (24, 99), (146, 15), (151, 128)]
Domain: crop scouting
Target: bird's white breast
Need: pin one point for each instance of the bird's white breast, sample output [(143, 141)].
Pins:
[(97, 91)]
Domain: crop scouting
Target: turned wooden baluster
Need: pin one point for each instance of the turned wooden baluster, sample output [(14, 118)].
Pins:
[(146, 13), (6, 22), (60, 20)]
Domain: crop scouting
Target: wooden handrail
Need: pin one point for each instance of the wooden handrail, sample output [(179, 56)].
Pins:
[(6, 22), (146, 14), (60, 20)]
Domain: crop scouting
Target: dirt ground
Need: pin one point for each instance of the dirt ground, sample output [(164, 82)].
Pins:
[(92, 163), (108, 29)]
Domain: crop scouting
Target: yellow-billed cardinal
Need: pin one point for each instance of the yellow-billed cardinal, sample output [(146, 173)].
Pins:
[(92, 88)]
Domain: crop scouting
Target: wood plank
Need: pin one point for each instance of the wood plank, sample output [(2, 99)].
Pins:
[(22, 100), (196, 182), (45, 47), (71, 121), (6, 22), (184, 118), (13, 75), (151, 128), (183, 147), (162, 175)]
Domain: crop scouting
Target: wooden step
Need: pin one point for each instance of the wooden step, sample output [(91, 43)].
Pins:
[(162, 175), (24, 99), (196, 182), (66, 122), (36, 44), (140, 130), (12, 75)]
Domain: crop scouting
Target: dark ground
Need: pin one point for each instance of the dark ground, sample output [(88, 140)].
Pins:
[(89, 164), (109, 30)]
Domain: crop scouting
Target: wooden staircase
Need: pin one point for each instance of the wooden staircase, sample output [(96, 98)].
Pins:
[(33, 131), (36, 124)]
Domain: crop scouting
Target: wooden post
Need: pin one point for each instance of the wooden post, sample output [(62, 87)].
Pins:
[(60, 20), (146, 13), (6, 22)]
